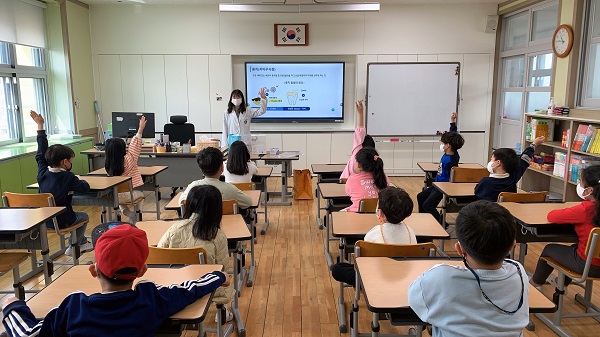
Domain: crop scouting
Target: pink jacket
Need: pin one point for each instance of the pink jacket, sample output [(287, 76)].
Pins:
[(359, 137)]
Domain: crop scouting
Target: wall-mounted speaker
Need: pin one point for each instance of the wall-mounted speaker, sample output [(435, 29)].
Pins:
[(491, 23)]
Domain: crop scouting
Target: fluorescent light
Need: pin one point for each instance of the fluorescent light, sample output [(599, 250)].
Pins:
[(300, 8)]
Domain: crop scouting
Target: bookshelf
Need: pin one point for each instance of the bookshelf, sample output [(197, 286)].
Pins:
[(538, 180)]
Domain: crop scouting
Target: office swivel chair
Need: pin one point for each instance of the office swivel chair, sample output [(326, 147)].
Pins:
[(180, 131)]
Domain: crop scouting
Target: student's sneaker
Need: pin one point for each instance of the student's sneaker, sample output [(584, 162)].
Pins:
[(84, 248), (228, 316)]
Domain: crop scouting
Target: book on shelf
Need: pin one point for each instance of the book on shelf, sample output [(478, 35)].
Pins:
[(580, 136), (588, 138), (595, 148), (542, 127), (578, 163), (560, 163)]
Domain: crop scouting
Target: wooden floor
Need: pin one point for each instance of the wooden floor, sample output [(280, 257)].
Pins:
[(294, 293)]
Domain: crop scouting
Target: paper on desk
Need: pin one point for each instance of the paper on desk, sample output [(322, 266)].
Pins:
[(290, 154)]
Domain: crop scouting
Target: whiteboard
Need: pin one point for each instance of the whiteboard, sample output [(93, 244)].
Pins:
[(411, 99)]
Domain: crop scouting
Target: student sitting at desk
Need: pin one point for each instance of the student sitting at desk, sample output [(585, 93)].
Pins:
[(239, 167), (119, 310), (201, 227), (506, 169), (210, 161), (369, 181), (486, 297), (54, 176), (393, 207), (361, 139), (450, 143), (584, 217), (122, 161)]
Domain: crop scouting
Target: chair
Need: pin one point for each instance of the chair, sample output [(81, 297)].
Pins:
[(364, 248), (230, 207), (467, 175), (180, 131), (10, 261), (367, 205), (523, 197), (343, 180), (46, 200), (592, 251), (194, 255), (127, 187), (245, 186)]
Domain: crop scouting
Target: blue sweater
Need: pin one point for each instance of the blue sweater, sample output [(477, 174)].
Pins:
[(61, 184), (489, 188), (447, 162), (131, 313)]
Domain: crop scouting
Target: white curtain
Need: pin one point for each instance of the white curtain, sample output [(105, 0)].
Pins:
[(22, 22)]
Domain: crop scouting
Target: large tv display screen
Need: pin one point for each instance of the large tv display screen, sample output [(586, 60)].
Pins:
[(297, 92)]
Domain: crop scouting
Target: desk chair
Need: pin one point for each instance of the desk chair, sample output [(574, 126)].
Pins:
[(364, 248), (180, 131), (367, 205), (10, 261), (46, 200), (127, 187), (592, 250), (230, 207), (464, 175), (523, 197)]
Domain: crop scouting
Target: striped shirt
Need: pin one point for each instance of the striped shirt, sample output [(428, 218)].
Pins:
[(131, 159)]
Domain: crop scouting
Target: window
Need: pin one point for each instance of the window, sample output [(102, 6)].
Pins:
[(22, 88), (589, 94)]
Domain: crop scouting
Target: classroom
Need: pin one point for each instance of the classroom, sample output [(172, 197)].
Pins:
[(312, 73)]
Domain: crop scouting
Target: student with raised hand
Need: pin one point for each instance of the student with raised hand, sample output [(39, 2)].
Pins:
[(450, 143), (584, 217), (486, 297), (393, 207), (54, 176), (119, 309), (201, 227), (122, 161), (370, 179), (239, 167), (506, 169), (361, 139), (238, 116)]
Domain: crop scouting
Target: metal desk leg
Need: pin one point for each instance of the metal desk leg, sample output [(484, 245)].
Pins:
[(319, 221), (342, 308), (252, 262), (157, 196), (266, 193), (234, 306), (116, 203), (284, 186), (48, 265), (522, 252), (444, 205), (327, 239)]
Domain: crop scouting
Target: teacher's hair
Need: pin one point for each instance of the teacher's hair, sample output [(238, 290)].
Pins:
[(230, 105)]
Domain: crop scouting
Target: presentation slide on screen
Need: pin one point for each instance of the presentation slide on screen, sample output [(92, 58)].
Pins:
[(297, 90)]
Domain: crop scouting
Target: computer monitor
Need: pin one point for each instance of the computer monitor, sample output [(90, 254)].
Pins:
[(125, 124)]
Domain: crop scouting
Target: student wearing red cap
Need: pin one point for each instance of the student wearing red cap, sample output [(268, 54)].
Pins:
[(119, 310)]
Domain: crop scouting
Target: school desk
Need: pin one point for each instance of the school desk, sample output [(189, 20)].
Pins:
[(385, 283), (351, 225), (285, 159), (236, 231), (535, 226), (328, 173), (331, 192), (150, 178), (25, 228), (103, 193), (431, 169), (78, 278)]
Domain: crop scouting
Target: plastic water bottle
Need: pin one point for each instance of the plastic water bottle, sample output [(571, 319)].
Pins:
[(519, 147)]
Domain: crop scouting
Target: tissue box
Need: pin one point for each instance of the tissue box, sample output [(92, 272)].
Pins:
[(203, 145)]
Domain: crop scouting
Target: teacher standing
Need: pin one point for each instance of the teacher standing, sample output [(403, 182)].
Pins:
[(237, 117)]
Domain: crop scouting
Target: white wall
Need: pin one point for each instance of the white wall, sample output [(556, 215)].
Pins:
[(176, 59)]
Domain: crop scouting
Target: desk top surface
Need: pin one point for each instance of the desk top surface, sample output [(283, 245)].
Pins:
[(23, 219), (174, 205), (97, 183), (332, 190), (386, 281), (144, 170), (456, 189), (79, 278), (534, 213), (233, 225), (358, 224), (433, 167), (327, 168), (284, 155)]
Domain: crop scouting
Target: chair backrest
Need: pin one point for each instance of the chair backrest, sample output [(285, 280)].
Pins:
[(28, 200), (367, 205), (125, 186), (467, 175), (364, 248), (245, 186), (194, 255), (230, 207), (181, 133), (182, 206), (588, 249), (343, 180), (522, 197)]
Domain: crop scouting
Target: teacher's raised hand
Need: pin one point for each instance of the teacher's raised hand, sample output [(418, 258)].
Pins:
[(262, 93)]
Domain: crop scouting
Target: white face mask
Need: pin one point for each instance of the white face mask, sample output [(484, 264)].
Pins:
[(489, 167), (581, 191), (442, 148), (236, 101)]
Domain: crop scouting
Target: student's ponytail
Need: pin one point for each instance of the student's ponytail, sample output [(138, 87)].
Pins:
[(369, 160), (590, 177)]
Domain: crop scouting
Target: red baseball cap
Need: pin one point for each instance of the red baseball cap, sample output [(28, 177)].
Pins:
[(121, 247)]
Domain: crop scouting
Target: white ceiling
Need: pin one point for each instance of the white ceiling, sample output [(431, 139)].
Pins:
[(205, 2)]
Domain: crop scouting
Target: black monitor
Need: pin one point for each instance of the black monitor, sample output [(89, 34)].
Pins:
[(125, 124)]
